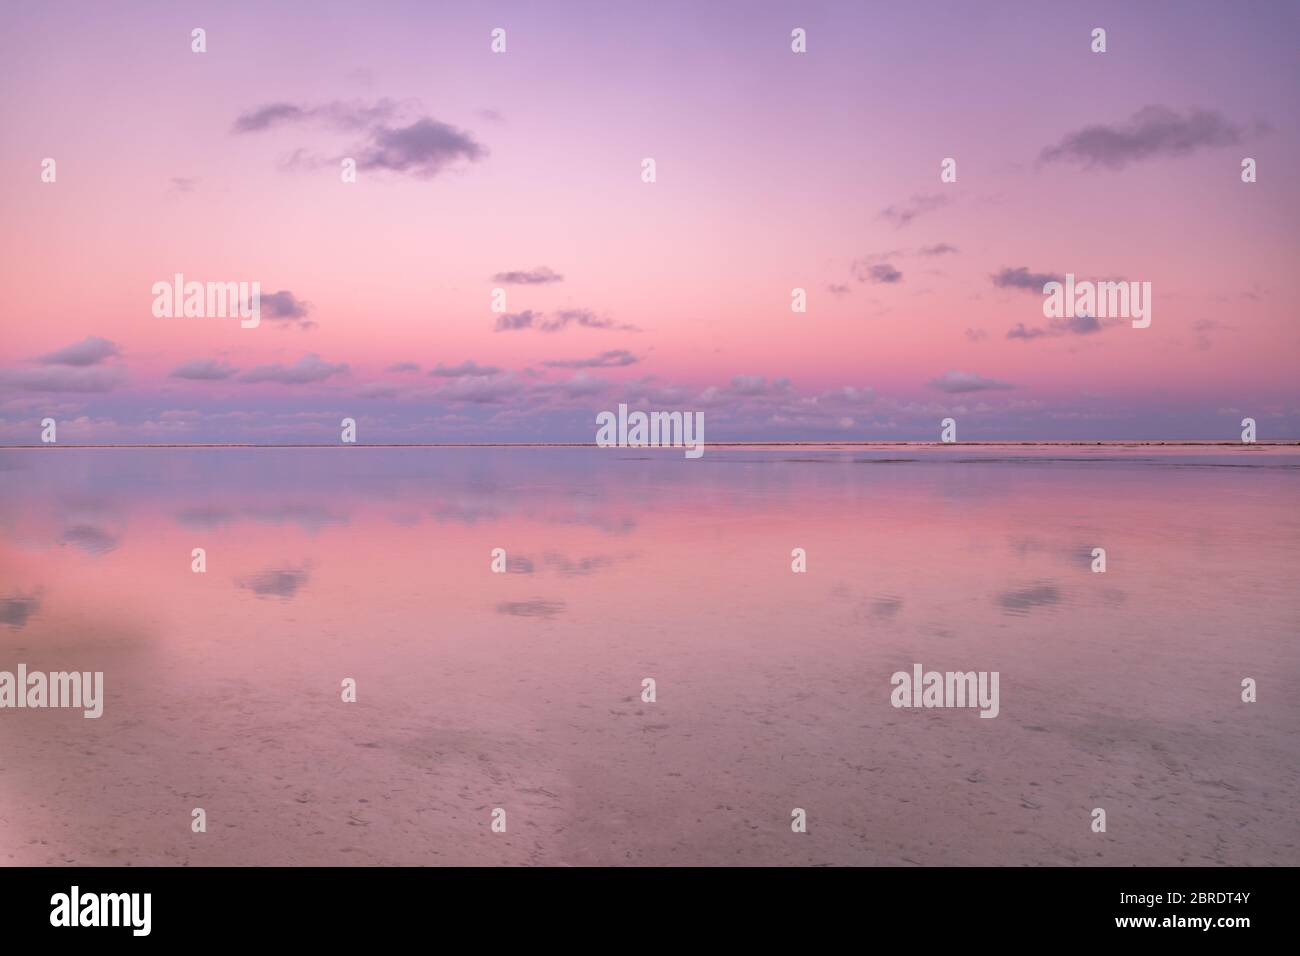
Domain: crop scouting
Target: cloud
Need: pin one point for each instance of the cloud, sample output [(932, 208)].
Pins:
[(1020, 331), (90, 539), (900, 214), (1072, 325), (283, 306), (479, 390), (424, 148), (542, 275), (184, 184), (585, 318), (268, 116), (62, 379), (1080, 324), (1151, 132), (881, 273), (955, 383), (938, 249), (468, 367), (346, 116), (582, 385), (511, 321), (90, 351), (615, 358), (1021, 278), (309, 369), (204, 370), (837, 288), (976, 335), (404, 367), (753, 385), (378, 390)]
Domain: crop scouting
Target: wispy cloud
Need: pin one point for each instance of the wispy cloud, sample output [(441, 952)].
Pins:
[(310, 368), (421, 147), (1151, 132), (468, 367), (337, 114), (956, 383), (542, 275), (511, 321), (900, 214), (204, 370), (1068, 325), (90, 351), (554, 322), (57, 378), (615, 358), (880, 273), (1021, 278)]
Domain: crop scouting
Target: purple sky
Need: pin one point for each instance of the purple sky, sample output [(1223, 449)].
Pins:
[(775, 171)]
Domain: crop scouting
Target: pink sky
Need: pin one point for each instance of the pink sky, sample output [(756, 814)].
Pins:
[(775, 170)]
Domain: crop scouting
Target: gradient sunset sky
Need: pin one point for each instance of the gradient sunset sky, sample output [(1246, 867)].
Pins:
[(522, 171)]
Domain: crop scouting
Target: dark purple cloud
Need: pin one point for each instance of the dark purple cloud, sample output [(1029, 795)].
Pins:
[(1021, 278), (268, 116), (511, 321), (881, 273), (423, 149), (345, 116), (284, 306), (1153, 131)]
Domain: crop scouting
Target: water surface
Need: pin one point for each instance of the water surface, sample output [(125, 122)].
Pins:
[(522, 690)]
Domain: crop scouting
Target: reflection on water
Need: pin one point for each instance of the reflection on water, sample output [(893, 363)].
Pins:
[(523, 689)]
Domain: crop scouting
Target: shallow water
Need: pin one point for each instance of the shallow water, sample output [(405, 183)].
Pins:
[(522, 690)]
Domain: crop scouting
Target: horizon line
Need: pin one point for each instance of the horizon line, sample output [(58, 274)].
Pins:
[(1282, 442)]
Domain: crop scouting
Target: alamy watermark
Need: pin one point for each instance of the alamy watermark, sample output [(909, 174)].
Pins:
[(75, 908), (1099, 300), (651, 430), (75, 689), (208, 300), (949, 689)]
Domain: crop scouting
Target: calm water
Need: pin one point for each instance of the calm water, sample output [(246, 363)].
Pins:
[(522, 690)]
